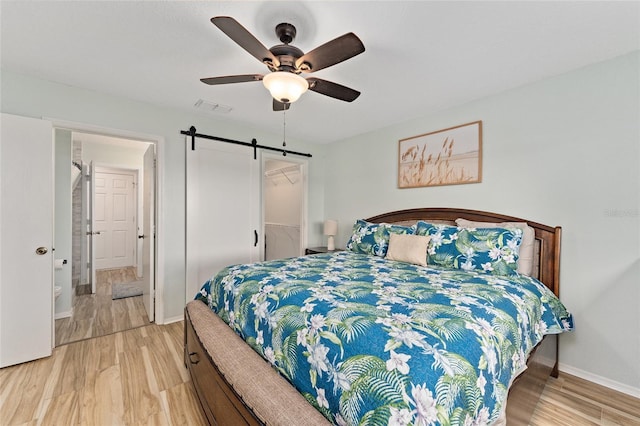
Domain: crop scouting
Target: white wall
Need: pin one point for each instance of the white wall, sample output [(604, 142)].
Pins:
[(564, 151), (28, 96), (99, 150)]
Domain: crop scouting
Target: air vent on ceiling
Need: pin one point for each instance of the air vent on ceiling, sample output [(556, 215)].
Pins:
[(212, 106)]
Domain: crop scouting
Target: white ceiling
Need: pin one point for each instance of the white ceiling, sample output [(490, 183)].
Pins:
[(421, 56)]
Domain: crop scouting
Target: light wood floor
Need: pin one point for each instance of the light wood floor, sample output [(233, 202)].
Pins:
[(97, 314), (572, 401), (137, 377)]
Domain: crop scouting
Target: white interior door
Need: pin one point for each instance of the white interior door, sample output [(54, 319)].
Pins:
[(26, 238), (90, 231), (114, 218), (223, 210), (148, 232), (85, 248)]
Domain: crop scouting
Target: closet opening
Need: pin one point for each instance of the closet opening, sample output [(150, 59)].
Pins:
[(284, 204)]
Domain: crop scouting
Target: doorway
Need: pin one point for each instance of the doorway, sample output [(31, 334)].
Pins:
[(284, 204), (113, 212)]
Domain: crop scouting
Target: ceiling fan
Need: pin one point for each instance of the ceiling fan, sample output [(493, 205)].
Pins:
[(286, 62)]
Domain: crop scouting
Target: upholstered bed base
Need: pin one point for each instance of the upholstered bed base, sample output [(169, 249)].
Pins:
[(235, 385)]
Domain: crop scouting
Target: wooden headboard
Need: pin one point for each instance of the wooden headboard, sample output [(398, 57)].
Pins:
[(547, 252)]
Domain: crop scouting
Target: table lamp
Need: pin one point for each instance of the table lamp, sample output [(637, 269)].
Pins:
[(330, 230)]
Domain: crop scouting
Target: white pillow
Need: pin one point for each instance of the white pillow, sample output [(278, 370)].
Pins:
[(408, 248), (525, 259)]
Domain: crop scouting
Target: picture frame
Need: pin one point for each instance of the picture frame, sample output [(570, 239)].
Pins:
[(451, 156)]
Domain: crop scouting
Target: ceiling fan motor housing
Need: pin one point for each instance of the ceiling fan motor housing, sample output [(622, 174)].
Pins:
[(286, 32), (287, 56)]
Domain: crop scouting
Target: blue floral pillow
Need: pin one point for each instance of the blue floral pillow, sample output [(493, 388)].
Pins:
[(492, 250), (373, 238)]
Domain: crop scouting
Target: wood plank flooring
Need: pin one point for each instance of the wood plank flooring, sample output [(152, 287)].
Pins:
[(572, 401), (97, 314), (137, 377)]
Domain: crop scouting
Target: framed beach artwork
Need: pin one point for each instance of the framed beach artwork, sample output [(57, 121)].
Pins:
[(450, 156)]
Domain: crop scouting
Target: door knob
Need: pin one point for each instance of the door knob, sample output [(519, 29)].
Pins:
[(141, 236), (41, 251)]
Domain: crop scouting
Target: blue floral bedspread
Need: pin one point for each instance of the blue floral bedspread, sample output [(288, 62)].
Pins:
[(370, 341)]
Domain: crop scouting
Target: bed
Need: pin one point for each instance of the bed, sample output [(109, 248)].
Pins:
[(430, 361)]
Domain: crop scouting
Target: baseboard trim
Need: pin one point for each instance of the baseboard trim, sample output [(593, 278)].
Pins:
[(173, 319), (603, 381), (60, 315)]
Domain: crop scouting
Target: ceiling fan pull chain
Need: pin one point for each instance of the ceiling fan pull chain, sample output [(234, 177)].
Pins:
[(284, 131)]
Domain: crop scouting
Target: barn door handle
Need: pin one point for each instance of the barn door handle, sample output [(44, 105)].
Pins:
[(194, 358), (255, 238)]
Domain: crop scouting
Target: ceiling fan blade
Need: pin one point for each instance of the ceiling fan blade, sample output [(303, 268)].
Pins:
[(331, 53), (228, 79), (280, 106), (245, 39), (333, 90)]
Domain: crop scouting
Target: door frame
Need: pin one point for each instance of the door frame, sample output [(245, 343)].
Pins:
[(304, 210), (159, 142)]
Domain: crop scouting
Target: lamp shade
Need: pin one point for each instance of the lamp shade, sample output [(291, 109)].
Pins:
[(284, 86), (330, 227)]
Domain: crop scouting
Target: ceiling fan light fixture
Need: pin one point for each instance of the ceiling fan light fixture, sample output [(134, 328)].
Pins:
[(284, 86)]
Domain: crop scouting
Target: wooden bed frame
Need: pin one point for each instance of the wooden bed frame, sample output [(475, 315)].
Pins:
[(236, 386)]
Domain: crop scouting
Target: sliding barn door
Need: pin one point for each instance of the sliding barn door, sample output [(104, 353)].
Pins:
[(223, 210)]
